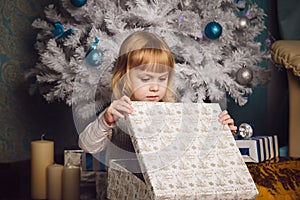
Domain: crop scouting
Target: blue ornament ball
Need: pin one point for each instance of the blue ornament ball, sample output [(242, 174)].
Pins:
[(78, 3), (94, 58), (213, 30)]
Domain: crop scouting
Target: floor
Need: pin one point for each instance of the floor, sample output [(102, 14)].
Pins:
[(15, 179)]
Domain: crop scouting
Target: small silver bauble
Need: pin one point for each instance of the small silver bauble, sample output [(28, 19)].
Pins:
[(186, 4), (245, 131), (244, 76), (244, 23)]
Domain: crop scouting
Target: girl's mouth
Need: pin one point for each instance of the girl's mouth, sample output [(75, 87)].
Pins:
[(151, 97)]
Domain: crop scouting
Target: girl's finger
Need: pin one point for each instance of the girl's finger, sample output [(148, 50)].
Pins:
[(123, 107), (117, 114), (228, 121), (232, 127), (224, 118), (126, 98), (224, 112)]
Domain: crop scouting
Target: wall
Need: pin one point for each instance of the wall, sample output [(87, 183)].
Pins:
[(23, 117)]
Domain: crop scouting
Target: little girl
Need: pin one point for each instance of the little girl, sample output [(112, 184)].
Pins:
[(143, 72)]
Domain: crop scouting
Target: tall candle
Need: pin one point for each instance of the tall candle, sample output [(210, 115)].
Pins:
[(54, 182), (71, 183), (42, 155)]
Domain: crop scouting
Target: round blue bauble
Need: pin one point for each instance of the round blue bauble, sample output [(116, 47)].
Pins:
[(78, 3), (213, 30), (94, 58)]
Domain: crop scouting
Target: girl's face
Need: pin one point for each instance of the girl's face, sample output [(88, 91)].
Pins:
[(148, 85)]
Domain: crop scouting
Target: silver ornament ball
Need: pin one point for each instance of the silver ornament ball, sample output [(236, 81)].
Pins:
[(244, 76), (244, 23), (245, 131)]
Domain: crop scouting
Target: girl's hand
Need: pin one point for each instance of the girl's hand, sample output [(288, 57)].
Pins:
[(225, 119), (118, 109)]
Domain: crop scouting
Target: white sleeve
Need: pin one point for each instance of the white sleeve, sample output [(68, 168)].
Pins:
[(96, 135)]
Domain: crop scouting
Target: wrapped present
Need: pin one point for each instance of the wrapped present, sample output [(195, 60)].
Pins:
[(133, 188), (183, 152), (258, 148), (87, 161), (252, 150), (93, 185), (87, 187), (276, 146), (272, 145), (92, 162), (72, 157), (101, 185)]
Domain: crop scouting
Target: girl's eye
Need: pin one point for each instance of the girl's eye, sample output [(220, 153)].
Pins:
[(145, 79), (163, 78)]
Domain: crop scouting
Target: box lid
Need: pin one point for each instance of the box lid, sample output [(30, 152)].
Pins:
[(184, 151)]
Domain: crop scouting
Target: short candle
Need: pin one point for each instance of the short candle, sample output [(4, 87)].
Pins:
[(71, 183), (54, 182)]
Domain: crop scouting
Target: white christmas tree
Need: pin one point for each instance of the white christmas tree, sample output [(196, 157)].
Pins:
[(214, 44)]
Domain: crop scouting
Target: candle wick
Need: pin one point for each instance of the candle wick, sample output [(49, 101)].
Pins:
[(42, 137)]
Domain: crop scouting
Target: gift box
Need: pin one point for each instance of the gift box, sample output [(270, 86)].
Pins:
[(183, 152), (271, 145), (72, 157), (92, 162), (101, 185), (259, 148), (133, 188)]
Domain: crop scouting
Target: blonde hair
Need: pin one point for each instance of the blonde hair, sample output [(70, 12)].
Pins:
[(143, 49)]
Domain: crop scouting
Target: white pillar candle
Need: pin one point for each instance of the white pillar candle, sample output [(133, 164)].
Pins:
[(42, 155), (71, 183), (54, 182)]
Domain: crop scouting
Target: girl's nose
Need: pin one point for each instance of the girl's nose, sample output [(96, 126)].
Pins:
[(154, 87)]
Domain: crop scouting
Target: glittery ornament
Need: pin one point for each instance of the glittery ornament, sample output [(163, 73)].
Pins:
[(60, 32), (244, 76), (244, 23), (78, 3), (245, 131), (268, 43), (213, 30), (94, 58)]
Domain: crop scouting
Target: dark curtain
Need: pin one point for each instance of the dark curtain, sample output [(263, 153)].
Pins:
[(289, 19)]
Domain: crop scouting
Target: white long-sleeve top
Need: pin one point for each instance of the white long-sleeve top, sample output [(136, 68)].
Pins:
[(96, 135), (99, 136)]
